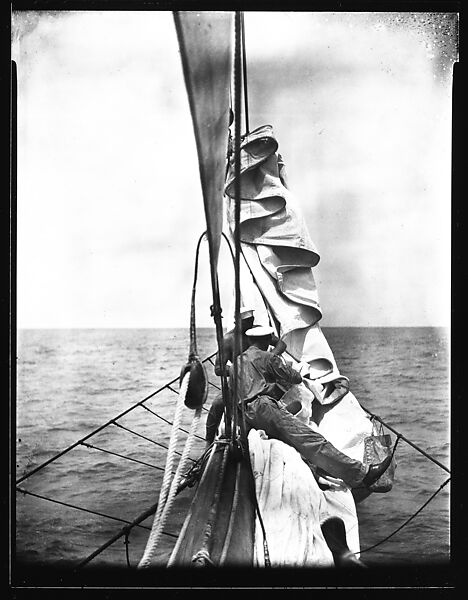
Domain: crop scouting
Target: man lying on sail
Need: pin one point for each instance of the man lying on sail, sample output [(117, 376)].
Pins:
[(216, 411), (261, 381)]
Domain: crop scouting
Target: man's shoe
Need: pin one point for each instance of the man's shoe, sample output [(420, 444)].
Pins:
[(376, 471), (334, 532)]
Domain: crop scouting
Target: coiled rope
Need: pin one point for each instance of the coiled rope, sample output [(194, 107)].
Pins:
[(170, 485)]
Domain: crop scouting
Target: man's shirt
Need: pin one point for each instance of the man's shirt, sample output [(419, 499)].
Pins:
[(228, 348), (261, 373)]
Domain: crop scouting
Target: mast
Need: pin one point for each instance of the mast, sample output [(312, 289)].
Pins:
[(237, 247)]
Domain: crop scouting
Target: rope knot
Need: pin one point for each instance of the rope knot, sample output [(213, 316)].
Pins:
[(216, 311), (202, 558)]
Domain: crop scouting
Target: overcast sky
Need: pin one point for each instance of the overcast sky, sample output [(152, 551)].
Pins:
[(109, 199)]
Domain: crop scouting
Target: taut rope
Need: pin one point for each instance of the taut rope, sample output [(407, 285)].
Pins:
[(169, 488)]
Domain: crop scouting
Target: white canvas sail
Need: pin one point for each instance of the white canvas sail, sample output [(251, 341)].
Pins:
[(205, 41), (278, 253), (277, 280)]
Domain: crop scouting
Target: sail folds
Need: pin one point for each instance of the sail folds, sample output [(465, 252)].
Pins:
[(278, 253), (207, 71)]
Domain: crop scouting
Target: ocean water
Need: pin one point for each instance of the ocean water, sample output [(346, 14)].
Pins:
[(71, 381)]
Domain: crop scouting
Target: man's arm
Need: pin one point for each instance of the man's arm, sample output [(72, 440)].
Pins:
[(282, 371), (279, 345), (227, 355)]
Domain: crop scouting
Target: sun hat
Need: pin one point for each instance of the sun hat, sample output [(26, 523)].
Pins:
[(259, 331)]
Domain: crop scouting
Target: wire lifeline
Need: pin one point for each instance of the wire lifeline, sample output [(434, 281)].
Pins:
[(101, 427), (428, 456), (398, 438), (407, 521), (141, 462), (405, 439), (81, 508), (137, 521), (146, 438), (169, 422), (143, 516)]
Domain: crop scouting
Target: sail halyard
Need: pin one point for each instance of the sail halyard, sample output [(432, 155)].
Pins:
[(236, 225)]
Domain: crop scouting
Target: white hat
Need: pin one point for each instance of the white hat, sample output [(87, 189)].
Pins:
[(245, 312), (259, 331)]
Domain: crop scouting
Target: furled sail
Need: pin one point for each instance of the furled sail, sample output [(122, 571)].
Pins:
[(277, 281), (278, 252), (205, 41)]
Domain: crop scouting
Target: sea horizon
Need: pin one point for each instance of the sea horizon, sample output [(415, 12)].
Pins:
[(71, 381)]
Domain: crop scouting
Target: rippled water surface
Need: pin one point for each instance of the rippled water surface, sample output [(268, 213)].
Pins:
[(71, 381)]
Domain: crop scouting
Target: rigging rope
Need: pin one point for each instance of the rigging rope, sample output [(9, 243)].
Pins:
[(74, 506), (141, 462), (237, 133), (407, 521), (239, 36), (165, 487), (146, 438), (409, 442), (170, 422), (103, 426), (169, 488), (187, 482), (216, 313), (173, 489), (126, 542), (244, 68)]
